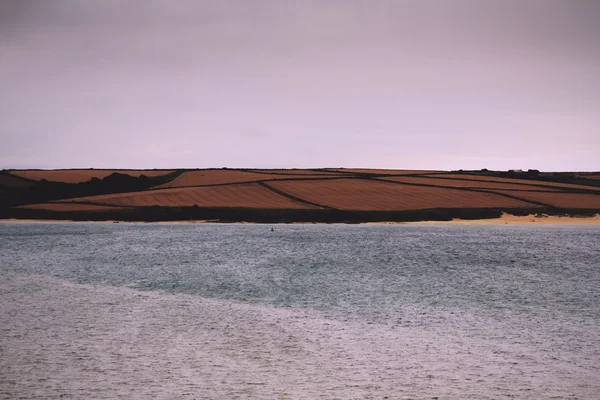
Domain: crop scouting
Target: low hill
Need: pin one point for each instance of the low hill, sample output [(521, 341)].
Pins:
[(307, 195)]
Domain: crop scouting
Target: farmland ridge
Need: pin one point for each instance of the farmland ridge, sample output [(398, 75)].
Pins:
[(292, 195)]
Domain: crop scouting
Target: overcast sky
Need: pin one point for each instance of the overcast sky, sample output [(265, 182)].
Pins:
[(426, 84)]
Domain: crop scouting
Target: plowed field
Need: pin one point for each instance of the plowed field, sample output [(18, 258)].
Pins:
[(381, 171), (356, 194), (561, 200), (515, 181), (295, 172), (464, 183), (245, 195), (81, 175), (219, 177), (69, 207)]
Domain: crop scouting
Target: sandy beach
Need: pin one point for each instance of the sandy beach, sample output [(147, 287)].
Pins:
[(506, 219)]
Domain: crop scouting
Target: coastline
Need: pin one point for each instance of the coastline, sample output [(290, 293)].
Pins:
[(508, 219), (505, 219)]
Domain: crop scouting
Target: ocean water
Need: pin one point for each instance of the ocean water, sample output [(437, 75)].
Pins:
[(100, 310)]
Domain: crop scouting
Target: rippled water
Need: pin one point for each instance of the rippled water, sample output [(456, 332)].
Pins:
[(304, 311)]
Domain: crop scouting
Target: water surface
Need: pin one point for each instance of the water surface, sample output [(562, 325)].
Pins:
[(304, 311)]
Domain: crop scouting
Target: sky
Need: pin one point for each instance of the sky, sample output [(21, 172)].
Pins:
[(423, 84)]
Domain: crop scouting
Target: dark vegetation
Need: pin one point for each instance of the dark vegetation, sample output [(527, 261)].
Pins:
[(153, 214), (43, 191)]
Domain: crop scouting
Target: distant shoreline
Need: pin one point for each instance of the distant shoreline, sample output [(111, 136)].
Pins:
[(532, 219), (326, 195), (505, 219)]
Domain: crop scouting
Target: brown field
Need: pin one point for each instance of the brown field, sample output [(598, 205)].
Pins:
[(594, 177), (249, 195), (380, 171), (356, 194), (10, 181), (69, 207), (561, 200), (221, 176), (81, 175), (295, 172), (464, 183), (515, 181), (335, 188)]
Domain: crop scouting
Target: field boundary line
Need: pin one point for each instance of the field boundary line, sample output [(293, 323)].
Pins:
[(316, 172), (468, 190), (531, 183), (294, 198), (90, 203), (537, 190), (368, 175), (324, 178)]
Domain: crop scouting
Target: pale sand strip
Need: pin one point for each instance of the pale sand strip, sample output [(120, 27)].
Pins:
[(506, 219)]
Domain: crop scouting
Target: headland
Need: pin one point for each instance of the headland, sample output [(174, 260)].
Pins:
[(322, 195)]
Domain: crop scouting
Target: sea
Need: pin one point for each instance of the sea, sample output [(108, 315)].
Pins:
[(257, 311)]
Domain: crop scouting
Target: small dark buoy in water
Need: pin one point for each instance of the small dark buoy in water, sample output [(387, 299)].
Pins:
[(272, 230)]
